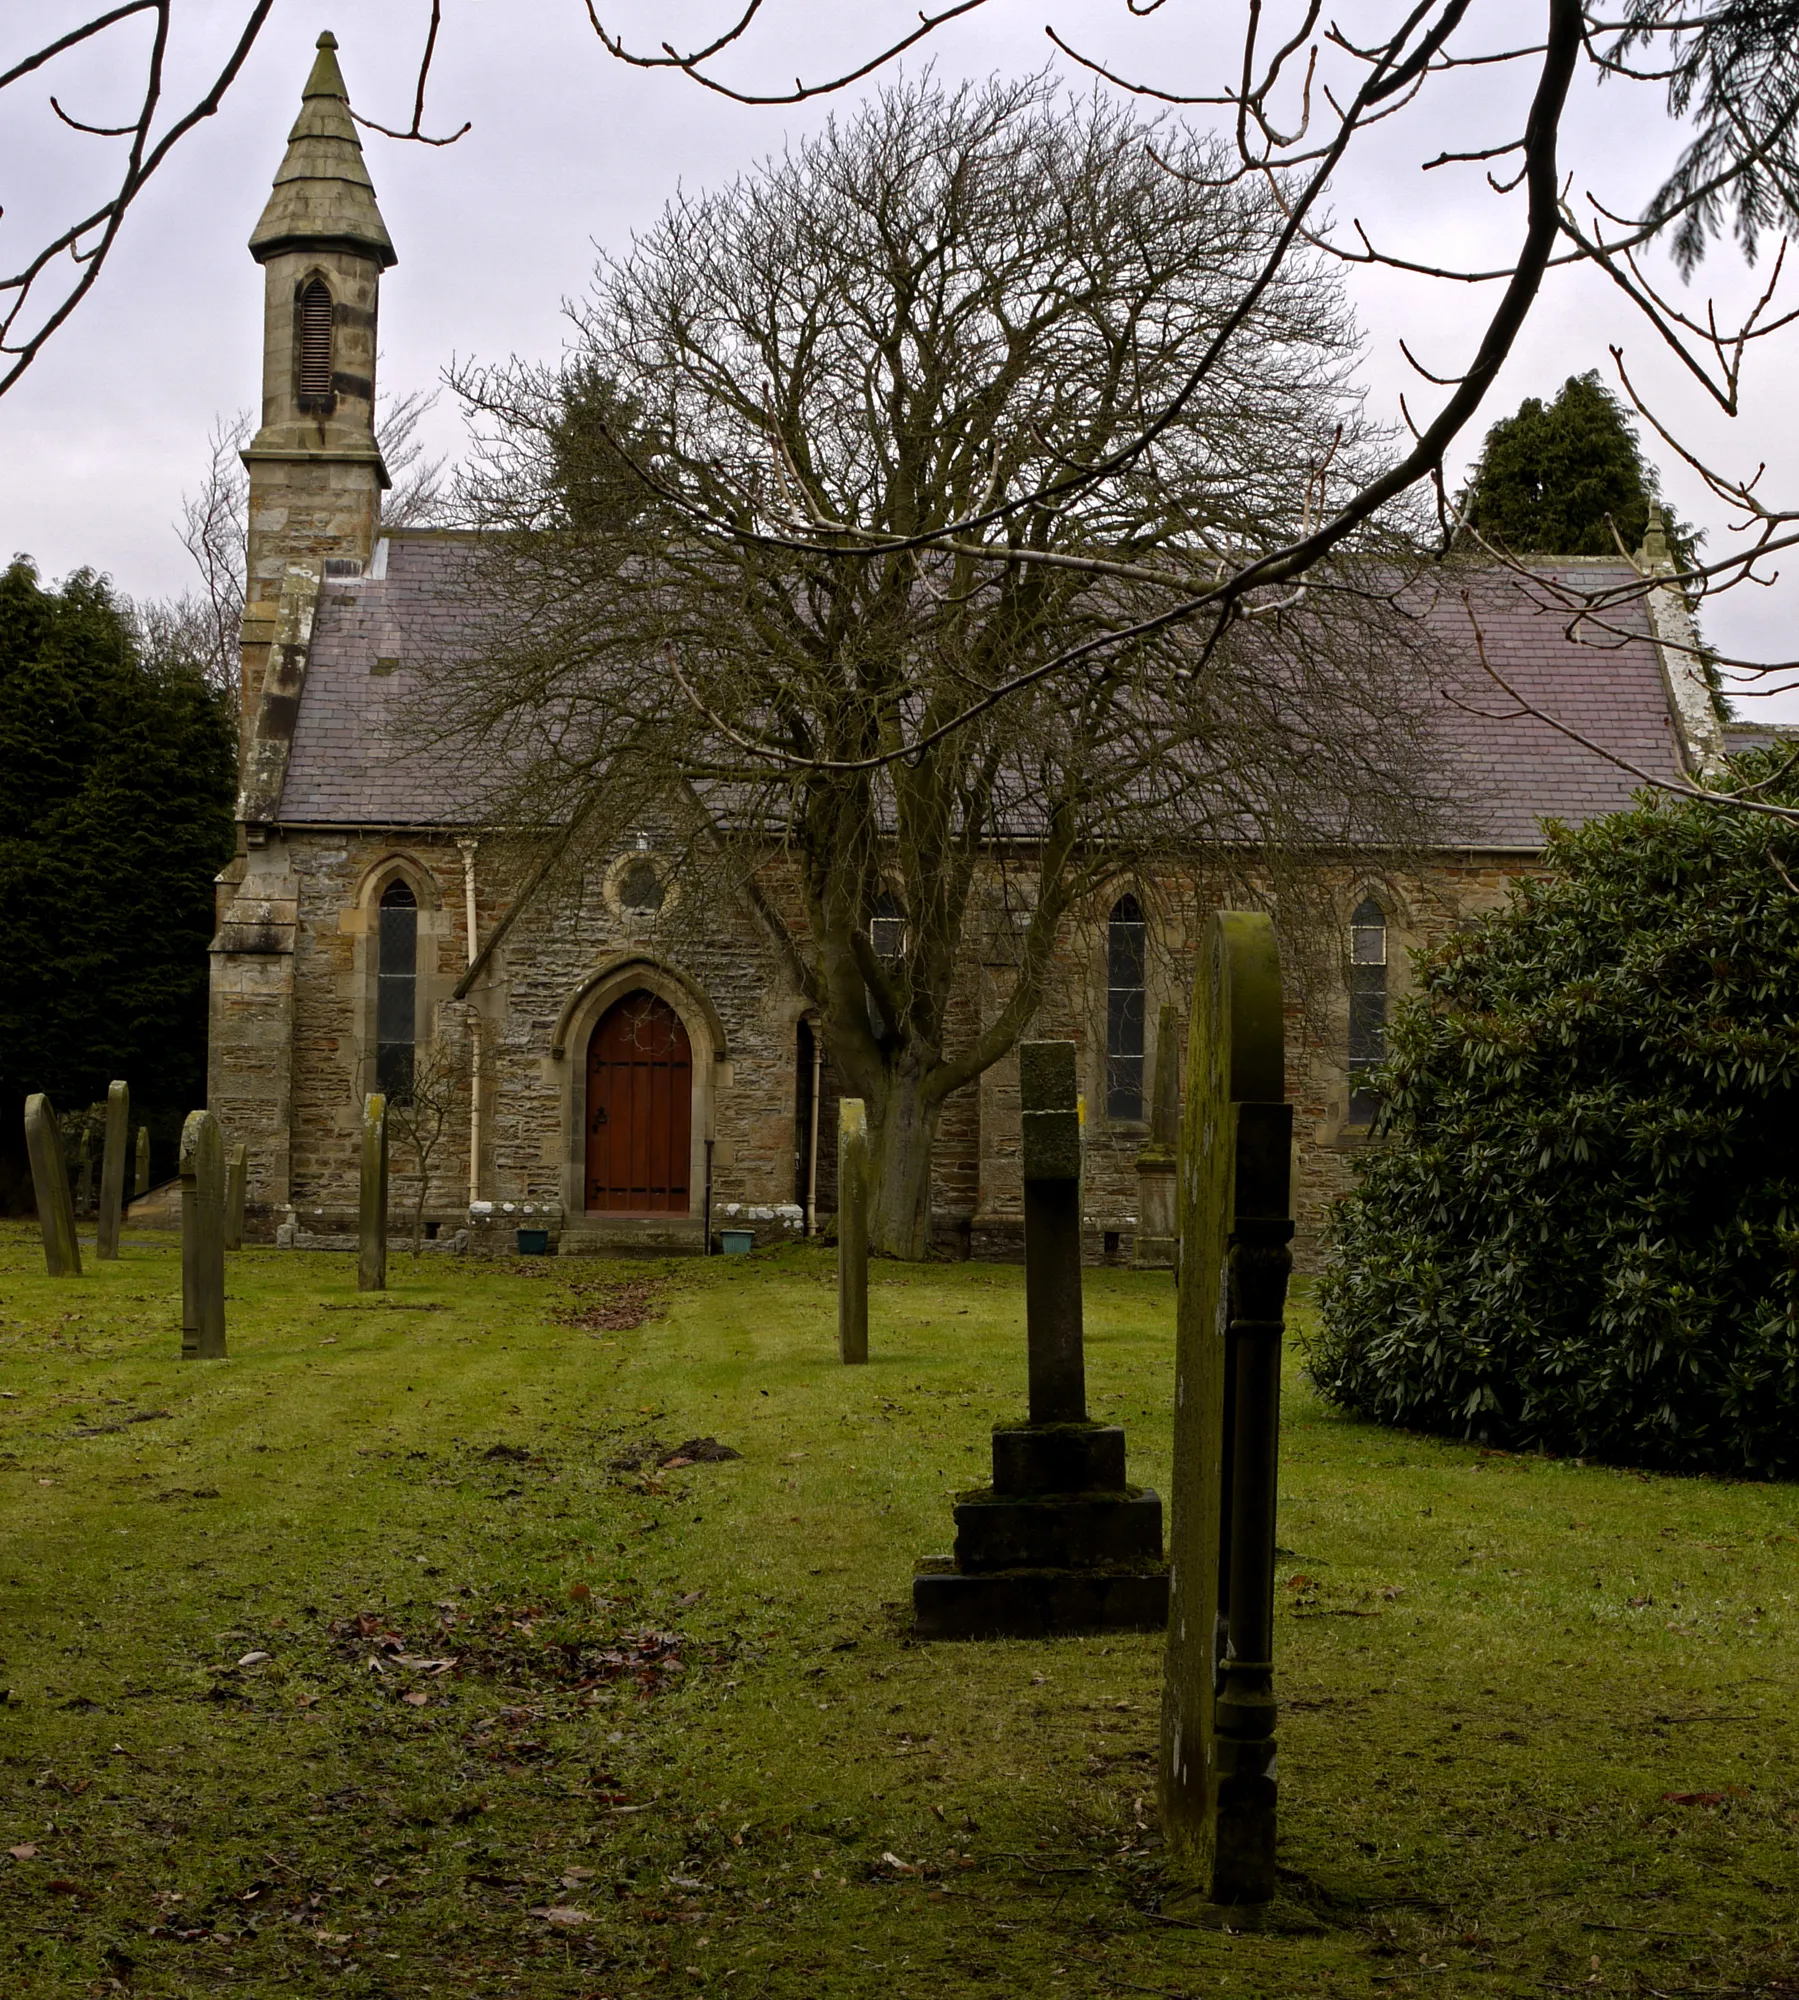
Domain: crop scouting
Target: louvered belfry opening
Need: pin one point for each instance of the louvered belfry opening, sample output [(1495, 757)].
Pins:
[(315, 346)]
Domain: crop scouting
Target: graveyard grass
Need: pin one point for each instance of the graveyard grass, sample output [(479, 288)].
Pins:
[(1537, 1729)]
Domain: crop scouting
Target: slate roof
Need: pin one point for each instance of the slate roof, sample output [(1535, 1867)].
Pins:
[(1507, 771)]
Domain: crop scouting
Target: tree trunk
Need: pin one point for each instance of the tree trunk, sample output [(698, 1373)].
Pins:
[(902, 1137)]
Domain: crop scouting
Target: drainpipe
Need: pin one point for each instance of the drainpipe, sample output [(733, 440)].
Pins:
[(812, 1147), (474, 1041)]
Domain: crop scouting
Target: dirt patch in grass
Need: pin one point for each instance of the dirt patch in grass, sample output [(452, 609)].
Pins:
[(612, 1305)]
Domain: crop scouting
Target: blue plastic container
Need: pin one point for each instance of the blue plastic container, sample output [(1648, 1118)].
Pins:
[(534, 1243), (737, 1242)]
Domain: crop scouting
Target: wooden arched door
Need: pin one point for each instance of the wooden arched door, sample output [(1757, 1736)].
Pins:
[(639, 1110)]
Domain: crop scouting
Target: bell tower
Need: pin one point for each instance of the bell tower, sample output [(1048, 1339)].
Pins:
[(316, 475)]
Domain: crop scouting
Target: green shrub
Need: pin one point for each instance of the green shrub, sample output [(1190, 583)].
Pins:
[(1581, 1233)]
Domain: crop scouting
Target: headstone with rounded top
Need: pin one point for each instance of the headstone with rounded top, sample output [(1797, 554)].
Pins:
[(371, 1264), (112, 1167), (1217, 1775), (852, 1230), (50, 1185), (202, 1238)]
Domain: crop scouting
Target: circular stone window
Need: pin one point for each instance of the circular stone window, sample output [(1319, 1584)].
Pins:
[(640, 887)]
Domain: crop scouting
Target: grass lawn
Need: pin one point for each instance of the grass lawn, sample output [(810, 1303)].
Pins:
[(1538, 1719)]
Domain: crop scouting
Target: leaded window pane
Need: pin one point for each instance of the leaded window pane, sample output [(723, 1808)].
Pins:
[(1126, 1006), (396, 991), (1367, 1007)]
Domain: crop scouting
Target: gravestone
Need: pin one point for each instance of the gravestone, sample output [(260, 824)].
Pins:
[(1217, 1778), (1153, 1249), (371, 1266), (202, 1238), (140, 1180), (237, 1174), (112, 1167), (84, 1165), (1059, 1542), (852, 1230), (50, 1184)]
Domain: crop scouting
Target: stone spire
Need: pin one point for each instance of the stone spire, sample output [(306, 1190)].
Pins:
[(316, 475), (323, 197)]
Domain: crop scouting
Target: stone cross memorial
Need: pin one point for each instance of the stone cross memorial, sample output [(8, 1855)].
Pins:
[(1153, 1249), (852, 1230), (1217, 1778), (140, 1180), (237, 1172), (112, 1168), (371, 1266), (202, 1238), (50, 1185), (1058, 1542)]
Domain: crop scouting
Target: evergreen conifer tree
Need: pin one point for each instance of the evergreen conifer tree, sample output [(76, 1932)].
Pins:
[(1555, 478), (116, 777)]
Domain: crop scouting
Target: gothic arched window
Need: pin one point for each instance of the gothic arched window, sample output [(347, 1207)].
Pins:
[(1367, 1006), (315, 346), (396, 991), (1124, 1009)]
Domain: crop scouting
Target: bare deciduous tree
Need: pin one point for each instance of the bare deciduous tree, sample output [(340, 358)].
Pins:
[(950, 298), (1298, 95), (206, 625), (423, 1116)]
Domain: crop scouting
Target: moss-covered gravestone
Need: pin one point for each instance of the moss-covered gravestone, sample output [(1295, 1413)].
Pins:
[(140, 1180), (1153, 1249), (1218, 1711), (202, 1238), (112, 1168), (371, 1263), (852, 1230), (237, 1174), (1058, 1542), (50, 1186)]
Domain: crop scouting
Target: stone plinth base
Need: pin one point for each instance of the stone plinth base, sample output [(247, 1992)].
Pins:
[(1036, 1603), (1058, 1543)]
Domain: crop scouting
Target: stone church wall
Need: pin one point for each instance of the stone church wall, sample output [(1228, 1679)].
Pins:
[(728, 955)]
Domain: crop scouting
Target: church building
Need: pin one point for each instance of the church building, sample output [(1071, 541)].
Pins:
[(601, 1078)]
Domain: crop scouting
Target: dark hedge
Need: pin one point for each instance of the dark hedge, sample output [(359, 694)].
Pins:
[(1580, 1233)]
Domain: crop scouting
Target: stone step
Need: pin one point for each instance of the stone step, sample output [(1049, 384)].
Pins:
[(1034, 1603), (996, 1531), (1058, 1458)]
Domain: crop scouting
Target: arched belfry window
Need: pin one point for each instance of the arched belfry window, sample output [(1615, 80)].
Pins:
[(1125, 960), (1367, 1006), (315, 345), (396, 991)]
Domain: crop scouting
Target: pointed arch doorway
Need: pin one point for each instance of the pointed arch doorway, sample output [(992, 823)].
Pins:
[(639, 1110)]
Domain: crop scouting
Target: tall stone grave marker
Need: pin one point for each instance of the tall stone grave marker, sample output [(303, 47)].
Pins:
[(112, 1167), (202, 1238), (237, 1175), (140, 1180), (50, 1184), (852, 1230), (1154, 1247), (1058, 1542), (1217, 1776), (371, 1266)]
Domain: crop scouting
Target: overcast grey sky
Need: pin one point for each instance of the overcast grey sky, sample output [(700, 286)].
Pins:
[(570, 149)]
